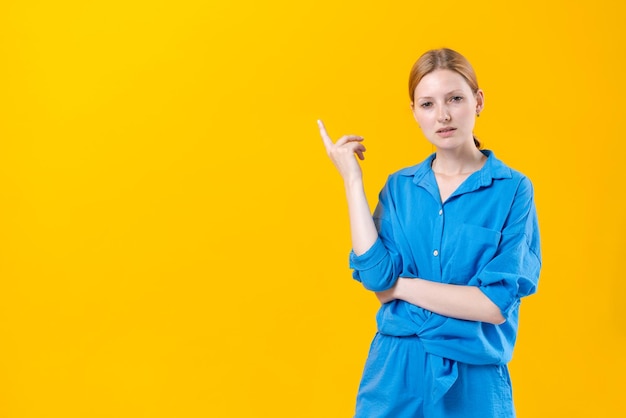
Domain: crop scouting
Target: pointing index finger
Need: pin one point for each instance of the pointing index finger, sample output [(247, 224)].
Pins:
[(327, 141)]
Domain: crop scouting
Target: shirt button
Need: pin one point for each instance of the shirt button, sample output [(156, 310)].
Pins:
[(435, 253), (440, 211)]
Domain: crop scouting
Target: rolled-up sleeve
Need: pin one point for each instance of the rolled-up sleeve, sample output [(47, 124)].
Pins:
[(379, 267), (514, 271)]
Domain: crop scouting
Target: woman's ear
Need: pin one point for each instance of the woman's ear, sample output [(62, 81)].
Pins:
[(480, 101), (412, 106)]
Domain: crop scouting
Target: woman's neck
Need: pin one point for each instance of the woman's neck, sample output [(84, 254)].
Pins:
[(456, 162)]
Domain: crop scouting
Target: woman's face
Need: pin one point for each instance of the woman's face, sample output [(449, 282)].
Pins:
[(445, 108)]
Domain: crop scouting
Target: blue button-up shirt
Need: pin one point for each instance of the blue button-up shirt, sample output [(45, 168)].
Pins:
[(485, 234)]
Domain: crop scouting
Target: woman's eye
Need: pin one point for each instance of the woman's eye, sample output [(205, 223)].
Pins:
[(456, 98), (426, 105)]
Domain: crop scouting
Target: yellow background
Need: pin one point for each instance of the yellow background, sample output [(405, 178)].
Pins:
[(174, 240)]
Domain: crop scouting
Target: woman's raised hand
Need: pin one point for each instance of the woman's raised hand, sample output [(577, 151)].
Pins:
[(342, 153), (362, 228)]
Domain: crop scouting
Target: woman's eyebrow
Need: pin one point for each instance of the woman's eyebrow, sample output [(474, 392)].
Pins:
[(456, 91)]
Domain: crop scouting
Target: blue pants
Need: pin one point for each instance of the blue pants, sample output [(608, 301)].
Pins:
[(400, 380)]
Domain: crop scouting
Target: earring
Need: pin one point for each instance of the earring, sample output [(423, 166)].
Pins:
[(477, 114)]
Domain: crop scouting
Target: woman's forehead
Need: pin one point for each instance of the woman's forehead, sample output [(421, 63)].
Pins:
[(441, 82)]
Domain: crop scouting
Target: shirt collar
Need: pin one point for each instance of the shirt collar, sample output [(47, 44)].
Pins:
[(492, 169)]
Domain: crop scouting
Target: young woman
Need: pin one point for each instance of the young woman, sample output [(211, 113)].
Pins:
[(451, 249)]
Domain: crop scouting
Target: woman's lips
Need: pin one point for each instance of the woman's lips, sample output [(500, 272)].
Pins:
[(446, 132)]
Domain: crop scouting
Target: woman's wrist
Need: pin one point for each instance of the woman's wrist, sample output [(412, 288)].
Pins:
[(354, 181), (398, 289), (405, 287)]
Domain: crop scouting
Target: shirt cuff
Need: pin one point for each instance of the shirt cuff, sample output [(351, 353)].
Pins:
[(373, 256), (500, 296)]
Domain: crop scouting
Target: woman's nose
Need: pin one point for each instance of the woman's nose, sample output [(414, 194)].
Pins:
[(443, 115)]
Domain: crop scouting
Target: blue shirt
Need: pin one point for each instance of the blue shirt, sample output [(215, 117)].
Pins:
[(485, 234)]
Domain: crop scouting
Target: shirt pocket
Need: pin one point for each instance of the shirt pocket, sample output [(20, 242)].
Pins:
[(472, 248)]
